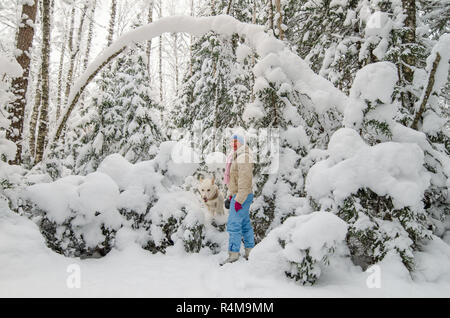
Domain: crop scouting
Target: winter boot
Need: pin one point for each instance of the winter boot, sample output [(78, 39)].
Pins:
[(232, 257), (247, 252)]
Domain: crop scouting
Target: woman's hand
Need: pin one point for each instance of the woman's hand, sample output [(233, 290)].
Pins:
[(237, 206)]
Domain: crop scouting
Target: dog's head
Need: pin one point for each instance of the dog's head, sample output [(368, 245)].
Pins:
[(208, 189)]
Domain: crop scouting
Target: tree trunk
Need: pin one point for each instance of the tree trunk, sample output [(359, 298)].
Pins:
[(35, 114), (74, 51), (149, 43), (229, 6), (60, 72), (77, 55), (112, 21), (408, 59), (161, 95), (252, 97), (213, 7), (75, 99), (43, 118), (190, 41), (280, 20), (270, 15), (175, 53), (71, 56), (428, 91), (90, 35), (19, 85)]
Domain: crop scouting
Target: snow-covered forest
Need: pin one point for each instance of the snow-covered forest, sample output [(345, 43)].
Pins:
[(112, 111)]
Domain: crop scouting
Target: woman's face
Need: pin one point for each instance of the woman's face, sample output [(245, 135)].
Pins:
[(235, 144)]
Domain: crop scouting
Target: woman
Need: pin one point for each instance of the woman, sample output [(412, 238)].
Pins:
[(238, 177)]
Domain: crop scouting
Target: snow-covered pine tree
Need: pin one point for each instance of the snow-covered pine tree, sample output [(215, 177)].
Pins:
[(325, 34), (400, 32), (219, 82), (126, 119), (380, 115)]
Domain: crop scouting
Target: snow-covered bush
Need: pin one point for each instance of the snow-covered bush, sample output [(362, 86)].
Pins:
[(80, 215), (301, 247), (371, 110), (378, 190), (77, 215), (178, 217)]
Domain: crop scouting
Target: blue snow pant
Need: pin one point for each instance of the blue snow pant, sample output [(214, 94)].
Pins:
[(239, 225)]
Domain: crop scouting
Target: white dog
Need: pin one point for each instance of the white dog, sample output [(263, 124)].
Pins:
[(211, 196)]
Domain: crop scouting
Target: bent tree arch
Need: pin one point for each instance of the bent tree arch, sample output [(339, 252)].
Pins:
[(277, 64)]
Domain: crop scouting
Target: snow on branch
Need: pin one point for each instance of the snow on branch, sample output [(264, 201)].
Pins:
[(274, 56)]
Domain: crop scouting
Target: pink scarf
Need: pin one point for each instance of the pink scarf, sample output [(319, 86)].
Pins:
[(226, 178)]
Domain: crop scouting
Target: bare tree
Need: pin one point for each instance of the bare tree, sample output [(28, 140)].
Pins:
[(428, 92), (35, 113), (74, 49), (112, 21), (24, 42), (408, 58), (61, 68), (279, 20), (77, 53), (161, 95), (190, 41), (270, 14), (90, 34), (43, 117), (213, 7), (149, 43), (253, 55), (71, 56)]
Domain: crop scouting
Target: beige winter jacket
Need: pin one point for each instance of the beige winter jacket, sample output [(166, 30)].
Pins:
[(241, 174)]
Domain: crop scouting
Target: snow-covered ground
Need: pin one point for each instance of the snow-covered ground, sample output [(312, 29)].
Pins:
[(30, 269)]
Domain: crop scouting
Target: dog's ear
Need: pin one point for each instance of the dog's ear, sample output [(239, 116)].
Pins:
[(213, 180), (201, 178)]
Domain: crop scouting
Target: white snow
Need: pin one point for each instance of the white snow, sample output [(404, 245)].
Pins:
[(30, 269), (242, 52), (375, 81), (432, 123), (317, 232), (9, 68), (390, 168), (277, 63)]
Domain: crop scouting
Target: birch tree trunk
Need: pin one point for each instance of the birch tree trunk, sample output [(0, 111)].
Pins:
[(35, 114), (175, 53), (60, 72), (213, 7), (43, 118), (71, 56), (161, 95), (74, 51), (112, 21), (252, 97), (149, 43), (90, 35), (16, 110), (191, 42)]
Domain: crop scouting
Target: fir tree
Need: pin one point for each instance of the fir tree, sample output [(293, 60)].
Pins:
[(126, 119)]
